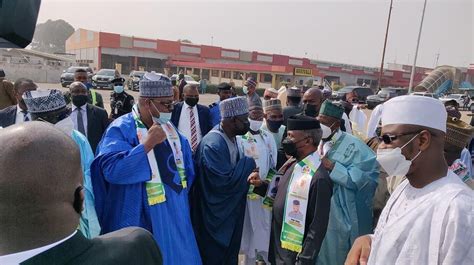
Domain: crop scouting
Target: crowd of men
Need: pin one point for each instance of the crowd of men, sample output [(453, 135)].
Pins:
[(283, 180)]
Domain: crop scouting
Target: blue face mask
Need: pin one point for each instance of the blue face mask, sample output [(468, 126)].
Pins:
[(118, 89), (164, 117), (245, 89)]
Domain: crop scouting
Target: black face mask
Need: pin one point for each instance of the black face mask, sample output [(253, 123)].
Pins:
[(310, 110), (274, 126), (290, 148), (245, 129), (191, 101), (79, 100)]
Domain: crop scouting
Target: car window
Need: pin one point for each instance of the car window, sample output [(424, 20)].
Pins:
[(106, 72), (363, 92)]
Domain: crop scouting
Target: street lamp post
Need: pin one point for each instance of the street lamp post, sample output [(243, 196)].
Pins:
[(410, 86), (384, 46)]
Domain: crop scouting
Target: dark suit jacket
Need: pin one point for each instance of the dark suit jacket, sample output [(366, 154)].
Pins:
[(8, 116), (131, 245), (203, 113), (97, 122)]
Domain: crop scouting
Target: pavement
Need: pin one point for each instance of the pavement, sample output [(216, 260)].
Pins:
[(204, 99)]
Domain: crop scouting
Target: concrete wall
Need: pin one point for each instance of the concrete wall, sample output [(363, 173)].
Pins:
[(37, 73)]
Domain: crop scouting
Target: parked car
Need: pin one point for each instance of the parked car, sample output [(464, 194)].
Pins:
[(187, 78), (424, 94), (383, 95), (134, 80), (103, 77), (67, 77), (362, 93), (459, 98)]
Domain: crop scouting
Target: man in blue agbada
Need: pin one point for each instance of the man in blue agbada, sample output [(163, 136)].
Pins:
[(50, 106), (354, 171), (220, 193), (143, 172)]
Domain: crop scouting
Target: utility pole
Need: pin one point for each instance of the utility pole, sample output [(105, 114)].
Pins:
[(410, 86), (437, 59), (385, 46)]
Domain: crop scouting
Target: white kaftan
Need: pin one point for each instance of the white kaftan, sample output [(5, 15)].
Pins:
[(427, 226)]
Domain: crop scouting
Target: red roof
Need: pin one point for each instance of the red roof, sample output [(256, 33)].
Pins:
[(239, 67)]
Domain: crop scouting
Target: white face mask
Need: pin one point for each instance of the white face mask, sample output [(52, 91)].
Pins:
[(255, 125), (394, 162), (326, 131)]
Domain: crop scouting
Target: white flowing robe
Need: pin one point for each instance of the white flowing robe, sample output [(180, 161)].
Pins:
[(257, 220), (427, 226)]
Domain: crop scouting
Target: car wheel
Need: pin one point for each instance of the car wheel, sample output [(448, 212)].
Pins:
[(63, 85)]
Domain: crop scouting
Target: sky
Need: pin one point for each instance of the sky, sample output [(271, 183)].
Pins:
[(349, 31)]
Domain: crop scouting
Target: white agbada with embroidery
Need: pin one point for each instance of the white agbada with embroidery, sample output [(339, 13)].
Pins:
[(427, 226), (257, 220)]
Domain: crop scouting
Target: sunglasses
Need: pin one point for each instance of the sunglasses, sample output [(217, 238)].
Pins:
[(389, 138)]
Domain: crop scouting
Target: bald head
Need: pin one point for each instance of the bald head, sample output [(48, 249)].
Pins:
[(78, 88), (39, 175), (312, 100)]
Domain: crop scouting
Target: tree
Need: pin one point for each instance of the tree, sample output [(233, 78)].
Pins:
[(51, 36), (184, 41)]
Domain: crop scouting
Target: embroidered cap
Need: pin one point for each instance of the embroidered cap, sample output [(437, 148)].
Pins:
[(271, 104), (40, 101), (232, 107), (155, 85), (294, 92), (331, 109), (458, 133), (251, 82)]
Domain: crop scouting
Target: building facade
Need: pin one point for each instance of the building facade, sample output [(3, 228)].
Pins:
[(217, 64)]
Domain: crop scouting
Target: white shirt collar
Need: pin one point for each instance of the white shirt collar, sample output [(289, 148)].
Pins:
[(187, 106), (16, 258), (74, 107)]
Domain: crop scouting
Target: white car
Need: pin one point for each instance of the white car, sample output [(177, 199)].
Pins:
[(187, 78), (459, 98)]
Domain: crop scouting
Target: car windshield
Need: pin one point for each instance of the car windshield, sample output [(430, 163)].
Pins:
[(453, 96), (73, 69), (106, 72), (346, 89)]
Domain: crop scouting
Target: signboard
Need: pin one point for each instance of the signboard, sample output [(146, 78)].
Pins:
[(303, 71)]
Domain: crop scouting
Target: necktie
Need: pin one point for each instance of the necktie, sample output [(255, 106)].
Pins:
[(25, 115), (193, 129), (80, 123)]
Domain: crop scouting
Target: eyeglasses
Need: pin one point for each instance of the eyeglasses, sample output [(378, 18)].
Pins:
[(388, 138)]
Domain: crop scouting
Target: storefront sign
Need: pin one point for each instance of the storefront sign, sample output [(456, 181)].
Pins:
[(303, 71)]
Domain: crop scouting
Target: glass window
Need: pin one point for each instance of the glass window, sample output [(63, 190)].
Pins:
[(237, 75), (215, 73), (266, 78), (226, 74)]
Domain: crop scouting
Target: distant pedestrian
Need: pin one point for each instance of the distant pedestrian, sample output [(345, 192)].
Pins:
[(203, 86)]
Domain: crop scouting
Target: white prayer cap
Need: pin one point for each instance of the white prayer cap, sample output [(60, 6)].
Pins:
[(415, 110)]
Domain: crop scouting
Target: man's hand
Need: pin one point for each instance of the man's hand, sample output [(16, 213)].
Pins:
[(254, 179), (360, 251), (156, 135), (327, 164)]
